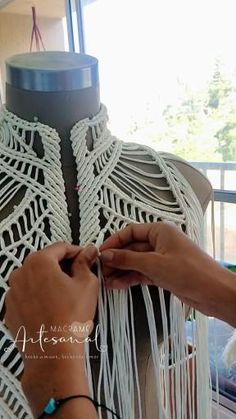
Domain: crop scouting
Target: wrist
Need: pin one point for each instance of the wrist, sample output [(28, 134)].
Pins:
[(35, 359), (53, 378), (226, 307), (219, 298), (212, 289)]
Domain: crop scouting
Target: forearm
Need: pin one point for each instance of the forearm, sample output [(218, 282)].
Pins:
[(200, 282), (214, 292), (224, 306), (58, 383)]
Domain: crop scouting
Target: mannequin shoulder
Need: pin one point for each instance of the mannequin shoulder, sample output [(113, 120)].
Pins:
[(197, 180), (145, 160)]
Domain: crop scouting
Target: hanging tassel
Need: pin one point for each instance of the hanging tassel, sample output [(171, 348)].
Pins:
[(36, 33)]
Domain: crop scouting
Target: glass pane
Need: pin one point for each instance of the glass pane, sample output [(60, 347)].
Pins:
[(16, 28), (219, 333), (168, 78), (168, 72), (222, 175), (225, 231)]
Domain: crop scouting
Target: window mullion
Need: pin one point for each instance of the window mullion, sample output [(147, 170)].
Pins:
[(69, 22), (80, 23)]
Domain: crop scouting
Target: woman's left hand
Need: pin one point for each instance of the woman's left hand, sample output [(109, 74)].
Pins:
[(42, 293)]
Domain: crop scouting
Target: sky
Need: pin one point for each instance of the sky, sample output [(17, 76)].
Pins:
[(146, 49)]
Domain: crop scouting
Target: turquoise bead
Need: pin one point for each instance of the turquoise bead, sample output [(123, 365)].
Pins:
[(51, 407)]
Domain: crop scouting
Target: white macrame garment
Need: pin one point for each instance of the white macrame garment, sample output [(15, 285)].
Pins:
[(122, 193)]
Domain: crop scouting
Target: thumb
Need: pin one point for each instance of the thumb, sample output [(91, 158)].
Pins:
[(144, 262), (84, 260)]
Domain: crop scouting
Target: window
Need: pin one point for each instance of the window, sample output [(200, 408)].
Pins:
[(168, 78), (168, 72)]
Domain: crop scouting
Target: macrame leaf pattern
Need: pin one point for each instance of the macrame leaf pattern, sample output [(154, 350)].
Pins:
[(119, 183)]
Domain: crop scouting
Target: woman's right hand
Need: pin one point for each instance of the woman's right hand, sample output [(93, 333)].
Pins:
[(161, 254)]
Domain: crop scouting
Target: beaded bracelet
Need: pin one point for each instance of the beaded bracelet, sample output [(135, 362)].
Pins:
[(54, 404)]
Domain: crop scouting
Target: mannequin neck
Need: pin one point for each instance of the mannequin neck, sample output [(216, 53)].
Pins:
[(59, 110)]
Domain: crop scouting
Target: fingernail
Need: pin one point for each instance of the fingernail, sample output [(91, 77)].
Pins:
[(107, 256)]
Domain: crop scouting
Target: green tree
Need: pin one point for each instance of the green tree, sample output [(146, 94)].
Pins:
[(203, 125), (221, 101), (220, 88), (191, 129)]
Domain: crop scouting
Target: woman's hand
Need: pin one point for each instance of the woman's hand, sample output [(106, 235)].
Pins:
[(162, 255), (42, 293), (154, 254)]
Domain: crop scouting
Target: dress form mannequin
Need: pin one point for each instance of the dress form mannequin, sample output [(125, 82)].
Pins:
[(80, 100), (61, 108)]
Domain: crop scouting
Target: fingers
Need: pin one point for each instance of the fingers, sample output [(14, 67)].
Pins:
[(55, 253), (130, 234), (130, 260), (84, 260), (12, 277), (139, 247), (124, 280), (61, 250), (121, 283)]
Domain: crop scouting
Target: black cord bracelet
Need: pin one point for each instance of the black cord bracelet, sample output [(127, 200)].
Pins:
[(54, 404)]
